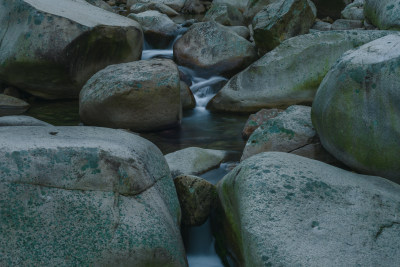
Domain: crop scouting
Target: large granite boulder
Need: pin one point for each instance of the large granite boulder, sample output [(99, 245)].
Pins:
[(194, 160), (85, 196), (141, 96), (384, 14), (51, 48), (209, 47), (356, 111), (282, 20), (289, 74), (158, 28), (285, 210)]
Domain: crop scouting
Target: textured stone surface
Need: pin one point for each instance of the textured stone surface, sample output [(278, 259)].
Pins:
[(197, 198), (51, 48), (86, 196), (255, 120), (224, 14), (194, 160), (322, 26), (210, 47), (288, 131), (21, 120), (384, 14), (280, 21), (174, 4), (158, 28), (346, 24), (356, 110), (290, 74), (142, 96), (354, 10), (12, 106), (286, 210)]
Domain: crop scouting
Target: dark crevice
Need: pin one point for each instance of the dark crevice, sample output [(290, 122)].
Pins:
[(385, 226)]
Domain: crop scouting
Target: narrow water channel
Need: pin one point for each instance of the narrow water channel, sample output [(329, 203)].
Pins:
[(199, 128)]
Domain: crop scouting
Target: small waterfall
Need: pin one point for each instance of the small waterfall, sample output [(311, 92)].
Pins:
[(199, 240), (149, 52), (203, 88)]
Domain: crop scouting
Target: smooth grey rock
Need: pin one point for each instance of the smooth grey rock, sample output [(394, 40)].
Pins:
[(197, 198), (174, 4), (187, 98), (51, 48), (384, 14), (347, 24), (209, 47), (224, 14), (356, 110), (142, 7), (282, 20), (86, 196), (194, 160), (288, 131), (141, 96), (322, 26), (21, 120), (285, 210), (354, 10), (290, 74), (158, 28), (12, 106)]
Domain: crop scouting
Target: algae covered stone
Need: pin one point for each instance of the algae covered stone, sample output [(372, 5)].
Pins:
[(197, 198), (141, 96), (356, 111), (291, 73), (385, 14), (288, 131), (280, 21), (285, 210), (86, 196), (51, 48)]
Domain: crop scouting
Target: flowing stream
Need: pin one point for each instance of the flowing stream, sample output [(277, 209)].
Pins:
[(199, 241), (199, 128)]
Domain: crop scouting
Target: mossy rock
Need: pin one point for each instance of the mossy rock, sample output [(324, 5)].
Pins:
[(356, 109)]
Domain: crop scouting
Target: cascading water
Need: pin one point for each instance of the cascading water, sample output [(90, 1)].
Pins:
[(199, 240)]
